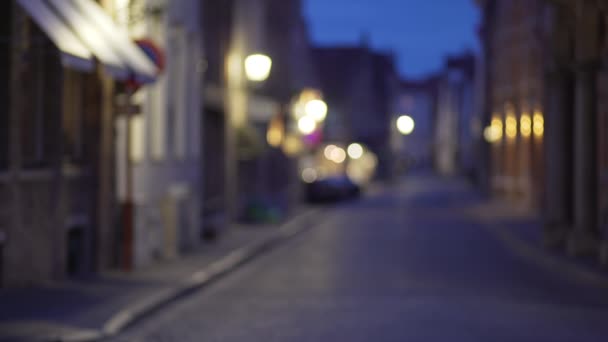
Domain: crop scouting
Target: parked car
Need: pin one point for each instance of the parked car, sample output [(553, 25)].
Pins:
[(331, 189)]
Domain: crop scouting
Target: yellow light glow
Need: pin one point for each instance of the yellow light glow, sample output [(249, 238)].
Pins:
[(511, 126), (275, 132), (292, 145), (497, 123), (317, 109), (307, 124), (257, 67), (309, 175), (274, 137), (405, 124), (492, 133), (355, 151), (538, 124), (525, 125), (338, 155)]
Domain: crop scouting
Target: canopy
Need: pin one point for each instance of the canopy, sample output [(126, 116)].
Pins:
[(82, 29)]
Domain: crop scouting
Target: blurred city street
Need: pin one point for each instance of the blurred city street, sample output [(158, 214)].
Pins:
[(304, 170), (408, 263)]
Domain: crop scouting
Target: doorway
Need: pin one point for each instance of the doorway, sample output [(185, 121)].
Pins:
[(76, 251), (214, 172)]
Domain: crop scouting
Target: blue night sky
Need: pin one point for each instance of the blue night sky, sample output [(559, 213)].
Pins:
[(419, 32)]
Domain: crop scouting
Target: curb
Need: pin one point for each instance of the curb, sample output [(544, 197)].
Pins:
[(539, 256), (197, 280)]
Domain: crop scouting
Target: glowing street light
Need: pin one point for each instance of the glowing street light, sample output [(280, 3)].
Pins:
[(307, 125), (405, 124), (338, 155), (317, 109), (257, 67), (328, 151), (355, 151)]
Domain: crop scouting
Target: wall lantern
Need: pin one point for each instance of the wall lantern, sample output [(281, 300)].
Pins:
[(257, 67)]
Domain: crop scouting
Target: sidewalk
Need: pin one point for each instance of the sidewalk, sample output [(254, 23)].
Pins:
[(521, 231), (103, 306)]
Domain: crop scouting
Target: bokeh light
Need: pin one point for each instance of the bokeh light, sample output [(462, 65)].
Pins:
[(309, 175), (355, 151), (257, 67), (307, 124), (317, 109), (405, 124)]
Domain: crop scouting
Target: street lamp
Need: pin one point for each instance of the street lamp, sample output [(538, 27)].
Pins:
[(307, 125), (317, 109), (257, 67), (355, 151), (405, 124)]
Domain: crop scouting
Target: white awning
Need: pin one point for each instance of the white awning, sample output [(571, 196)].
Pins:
[(92, 37), (82, 29), (118, 37), (74, 53)]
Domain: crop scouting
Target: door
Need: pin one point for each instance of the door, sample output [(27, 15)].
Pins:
[(214, 165), (76, 249)]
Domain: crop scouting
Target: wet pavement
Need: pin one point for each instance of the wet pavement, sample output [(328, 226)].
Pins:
[(406, 264)]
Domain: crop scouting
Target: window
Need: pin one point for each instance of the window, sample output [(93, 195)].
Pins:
[(39, 96), (73, 115)]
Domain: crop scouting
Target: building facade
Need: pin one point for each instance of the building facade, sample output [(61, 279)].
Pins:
[(457, 125), (361, 87), (239, 112), (159, 177), (417, 99), (57, 177), (514, 99), (544, 62)]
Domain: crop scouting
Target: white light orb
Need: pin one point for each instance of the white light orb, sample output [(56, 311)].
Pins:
[(257, 67), (405, 124), (307, 125), (355, 151), (338, 155), (317, 109)]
